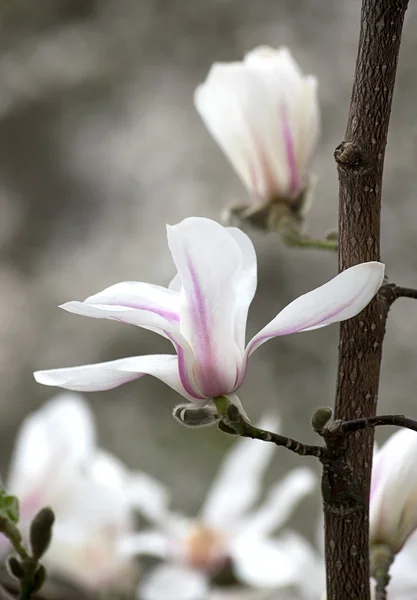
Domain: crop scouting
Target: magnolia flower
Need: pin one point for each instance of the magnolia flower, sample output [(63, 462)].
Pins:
[(393, 503), (263, 112), (204, 313), (56, 463), (227, 532)]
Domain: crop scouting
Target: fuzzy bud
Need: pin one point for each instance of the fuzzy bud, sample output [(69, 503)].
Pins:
[(195, 416), (15, 567), (41, 532)]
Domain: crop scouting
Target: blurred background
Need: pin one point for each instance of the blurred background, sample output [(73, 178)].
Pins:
[(100, 147)]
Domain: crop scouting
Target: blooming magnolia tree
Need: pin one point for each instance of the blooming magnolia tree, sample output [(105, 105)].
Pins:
[(263, 113)]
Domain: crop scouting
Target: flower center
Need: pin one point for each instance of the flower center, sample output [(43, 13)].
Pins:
[(205, 548)]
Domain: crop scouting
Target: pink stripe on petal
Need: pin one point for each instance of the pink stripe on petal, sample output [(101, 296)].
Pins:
[(210, 377), (294, 181)]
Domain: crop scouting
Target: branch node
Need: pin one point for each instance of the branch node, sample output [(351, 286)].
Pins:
[(349, 156)]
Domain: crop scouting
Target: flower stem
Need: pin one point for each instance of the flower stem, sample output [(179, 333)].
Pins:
[(381, 558), (295, 239), (234, 423)]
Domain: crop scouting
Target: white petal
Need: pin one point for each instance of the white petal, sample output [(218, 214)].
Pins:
[(341, 298), (141, 318), (282, 500), (277, 563), (393, 504), (147, 320), (46, 448), (149, 543), (148, 496), (219, 105), (246, 285), (173, 582), (143, 296), (209, 263), (108, 375), (238, 482)]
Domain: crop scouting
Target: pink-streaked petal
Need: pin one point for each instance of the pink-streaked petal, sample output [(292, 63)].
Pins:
[(231, 495), (209, 262), (46, 450), (111, 374), (341, 298), (124, 314), (147, 320), (143, 296), (246, 286)]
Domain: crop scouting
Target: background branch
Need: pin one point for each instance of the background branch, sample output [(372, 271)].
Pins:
[(360, 159)]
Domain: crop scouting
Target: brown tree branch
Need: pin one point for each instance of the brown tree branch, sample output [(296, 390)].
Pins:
[(360, 159), (371, 422), (235, 424)]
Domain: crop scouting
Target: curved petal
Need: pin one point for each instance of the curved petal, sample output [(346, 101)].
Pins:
[(143, 296), (282, 500), (108, 375), (341, 298), (246, 286), (147, 320), (238, 483), (285, 561), (209, 263), (124, 314), (47, 449), (167, 582), (218, 101)]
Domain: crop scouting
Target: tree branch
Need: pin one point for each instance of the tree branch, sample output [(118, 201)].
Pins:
[(235, 424), (370, 422), (360, 159)]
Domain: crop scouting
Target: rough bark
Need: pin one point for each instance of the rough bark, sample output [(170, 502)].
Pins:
[(360, 160)]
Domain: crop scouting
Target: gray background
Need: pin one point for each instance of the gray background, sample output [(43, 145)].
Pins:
[(100, 147)]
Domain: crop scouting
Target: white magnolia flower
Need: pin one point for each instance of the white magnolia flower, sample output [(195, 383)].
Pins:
[(263, 112), (393, 502), (228, 531), (56, 463), (204, 313)]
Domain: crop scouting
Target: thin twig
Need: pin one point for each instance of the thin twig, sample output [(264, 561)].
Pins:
[(236, 423), (370, 422), (404, 292)]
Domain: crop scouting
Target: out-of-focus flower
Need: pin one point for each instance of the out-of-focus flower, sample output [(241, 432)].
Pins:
[(56, 463), (393, 503), (227, 534), (403, 572), (264, 114), (204, 314)]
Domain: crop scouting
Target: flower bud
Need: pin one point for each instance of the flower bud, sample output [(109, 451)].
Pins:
[(41, 532), (38, 579), (263, 112), (15, 567), (194, 416), (393, 502)]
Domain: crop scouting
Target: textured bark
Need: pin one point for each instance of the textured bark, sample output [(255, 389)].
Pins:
[(360, 159)]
